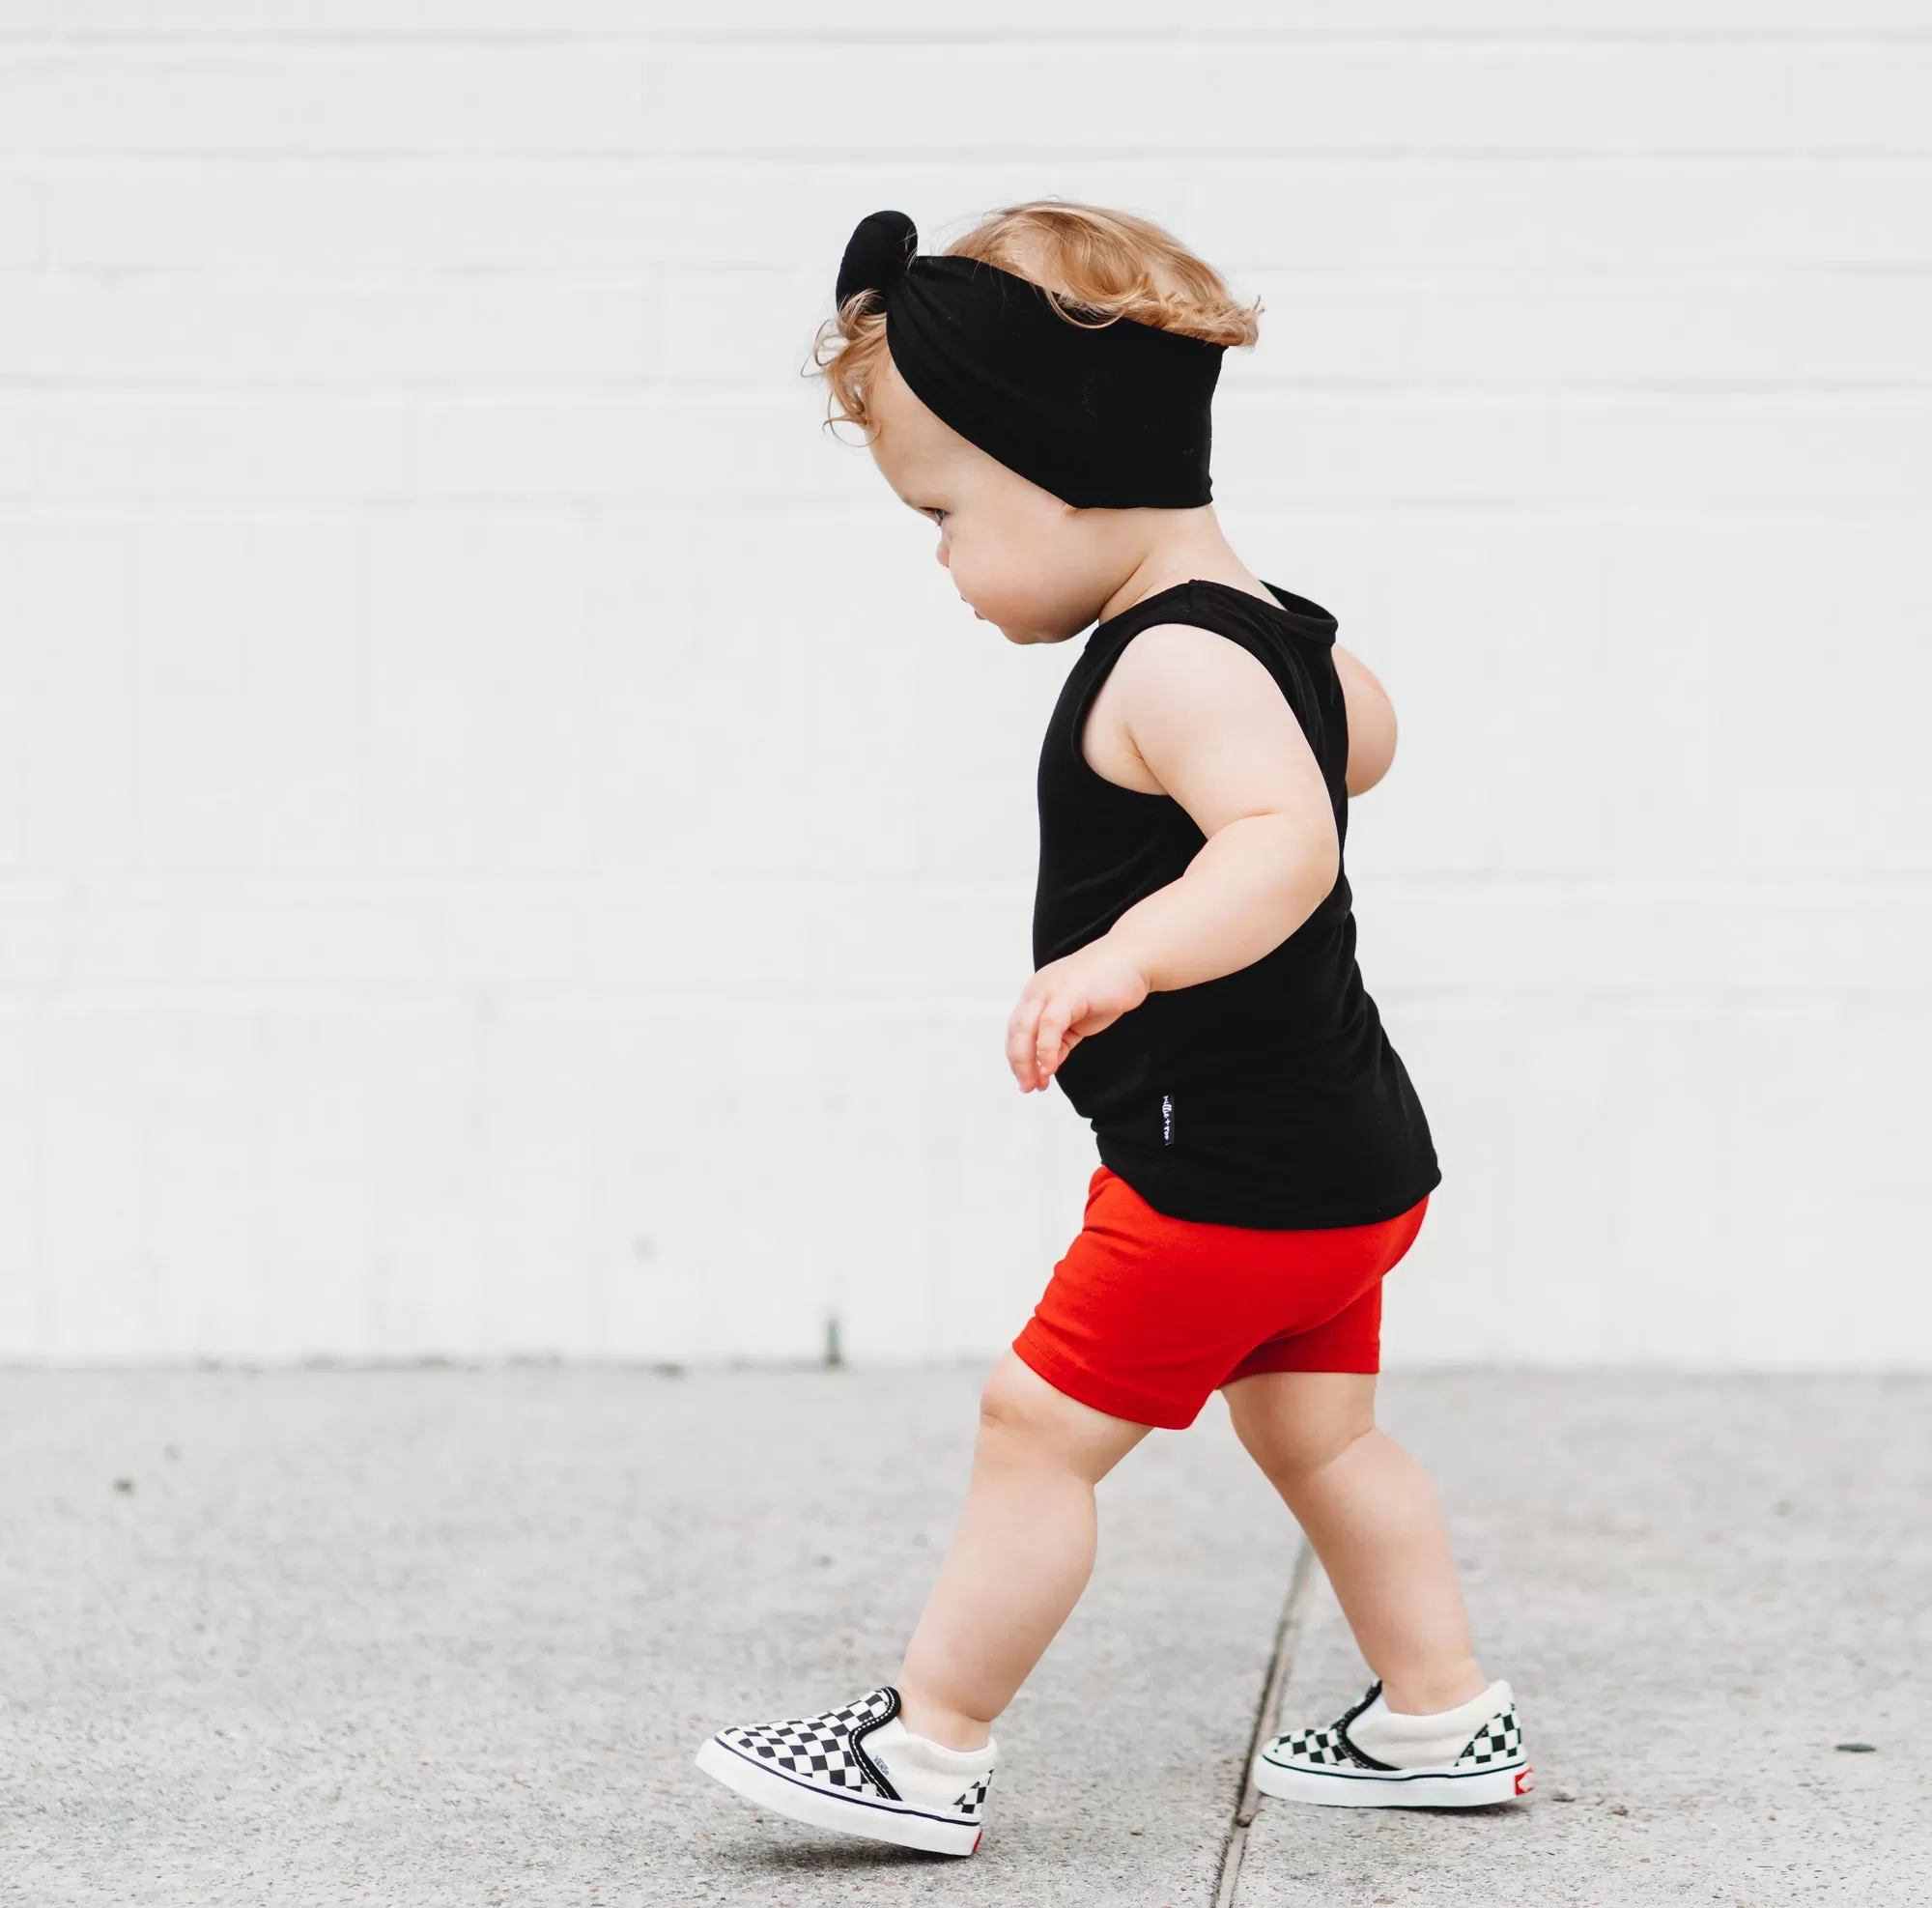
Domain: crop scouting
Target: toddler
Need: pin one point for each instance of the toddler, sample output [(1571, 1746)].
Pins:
[(1042, 391)]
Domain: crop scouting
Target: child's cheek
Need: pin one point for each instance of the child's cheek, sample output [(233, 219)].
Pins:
[(967, 578)]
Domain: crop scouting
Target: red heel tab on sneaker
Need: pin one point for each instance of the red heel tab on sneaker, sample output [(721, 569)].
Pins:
[(1526, 1779)]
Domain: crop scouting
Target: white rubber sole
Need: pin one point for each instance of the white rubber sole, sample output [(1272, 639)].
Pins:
[(1394, 1788), (852, 1815)]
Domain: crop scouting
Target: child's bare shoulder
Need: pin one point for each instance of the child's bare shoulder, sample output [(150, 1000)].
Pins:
[(1171, 679)]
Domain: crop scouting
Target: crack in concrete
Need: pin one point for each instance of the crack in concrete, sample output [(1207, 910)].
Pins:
[(1287, 1633)]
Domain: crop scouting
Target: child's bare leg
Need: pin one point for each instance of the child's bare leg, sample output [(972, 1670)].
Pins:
[(1375, 1522), (1019, 1560)]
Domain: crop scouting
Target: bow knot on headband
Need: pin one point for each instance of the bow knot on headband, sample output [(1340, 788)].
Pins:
[(881, 248), (1108, 416)]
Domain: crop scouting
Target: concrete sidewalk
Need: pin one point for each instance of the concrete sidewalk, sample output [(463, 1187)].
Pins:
[(445, 1636)]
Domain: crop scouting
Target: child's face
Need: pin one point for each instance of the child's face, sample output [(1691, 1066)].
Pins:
[(1035, 567)]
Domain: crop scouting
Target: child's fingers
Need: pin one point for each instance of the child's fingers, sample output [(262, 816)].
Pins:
[(1046, 1046), (1049, 1042), (1020, 1040)]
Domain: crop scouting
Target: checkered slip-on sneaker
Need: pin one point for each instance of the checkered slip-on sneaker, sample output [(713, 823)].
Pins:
[(1329, 1765), (857, 1769)]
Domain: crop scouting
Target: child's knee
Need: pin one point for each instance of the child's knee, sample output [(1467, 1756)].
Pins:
[(1301, 1422), (1023, 1419), (1016, 1405), (1317, 1447)]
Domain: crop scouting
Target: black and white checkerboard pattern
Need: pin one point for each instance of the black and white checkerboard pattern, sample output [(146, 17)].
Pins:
[(1498, 1740), (1325, 1747), (819, 1748), (973, 1801)]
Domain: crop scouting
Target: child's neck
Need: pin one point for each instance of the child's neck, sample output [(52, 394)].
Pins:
[(1177, 547)]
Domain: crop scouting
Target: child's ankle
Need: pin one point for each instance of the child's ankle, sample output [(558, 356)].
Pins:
[(1432, 1692), (949, 1728)]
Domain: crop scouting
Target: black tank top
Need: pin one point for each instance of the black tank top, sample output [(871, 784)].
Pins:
[(1268, 1097)]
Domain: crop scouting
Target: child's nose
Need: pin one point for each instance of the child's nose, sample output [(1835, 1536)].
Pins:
[(945, 560)]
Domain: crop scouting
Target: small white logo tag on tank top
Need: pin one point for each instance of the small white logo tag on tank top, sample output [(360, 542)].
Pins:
[(1167, 1119)]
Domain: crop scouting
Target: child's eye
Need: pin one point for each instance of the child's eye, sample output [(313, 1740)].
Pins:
[(939, 516)]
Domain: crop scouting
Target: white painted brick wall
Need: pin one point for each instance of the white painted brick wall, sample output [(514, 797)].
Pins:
[(507, 846)]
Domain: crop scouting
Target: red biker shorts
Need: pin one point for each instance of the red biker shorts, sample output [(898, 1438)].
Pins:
[(1147, 1315)]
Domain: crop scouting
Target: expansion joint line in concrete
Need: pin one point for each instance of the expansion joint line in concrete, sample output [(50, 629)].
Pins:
[(1286, 1634)]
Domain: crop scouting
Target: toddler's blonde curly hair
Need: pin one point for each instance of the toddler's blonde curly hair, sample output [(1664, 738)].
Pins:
[(1095, 264)]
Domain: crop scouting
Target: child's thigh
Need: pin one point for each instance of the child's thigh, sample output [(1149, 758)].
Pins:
[(1293, 1421)]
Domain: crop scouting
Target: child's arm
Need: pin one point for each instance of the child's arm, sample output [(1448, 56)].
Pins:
[(1371, 723), (1215, 732)]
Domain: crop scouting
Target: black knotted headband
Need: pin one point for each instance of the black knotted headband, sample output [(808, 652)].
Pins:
[(1107, 416)]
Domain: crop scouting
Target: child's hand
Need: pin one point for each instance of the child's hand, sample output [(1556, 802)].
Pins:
[(1064, 1002)]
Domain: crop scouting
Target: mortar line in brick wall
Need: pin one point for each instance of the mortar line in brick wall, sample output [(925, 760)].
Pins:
[(1710, 888), (1507, 512), (298, 277), (1264, 397), (70, 35), (49, 163), (511, 390)]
